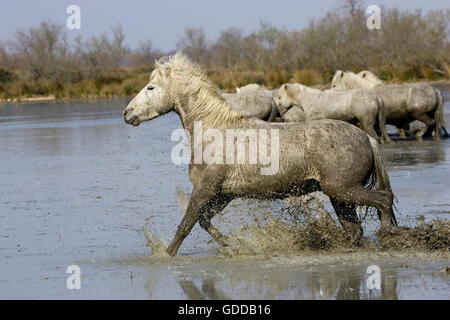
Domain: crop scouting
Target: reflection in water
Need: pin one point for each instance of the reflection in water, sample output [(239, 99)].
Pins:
[(272, 280), (208, 290), (408, 153)]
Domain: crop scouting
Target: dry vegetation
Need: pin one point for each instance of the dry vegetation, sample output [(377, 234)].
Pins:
[(410, 46)]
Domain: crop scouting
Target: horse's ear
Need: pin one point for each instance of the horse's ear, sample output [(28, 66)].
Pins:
[(286, 88), (342, 74), (364, 75)]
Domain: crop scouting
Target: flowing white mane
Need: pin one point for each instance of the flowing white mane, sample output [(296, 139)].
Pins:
[(191, 80)]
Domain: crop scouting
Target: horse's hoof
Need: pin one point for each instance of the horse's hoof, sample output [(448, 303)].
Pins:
[(355, 233), (171, 252)]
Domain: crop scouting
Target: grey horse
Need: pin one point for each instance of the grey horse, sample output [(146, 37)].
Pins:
[(328, 155), (402, 103), (362, 107), (258, 103), (251, 87)]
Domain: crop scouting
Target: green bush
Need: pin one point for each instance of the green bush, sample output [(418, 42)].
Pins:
[(6, 76)]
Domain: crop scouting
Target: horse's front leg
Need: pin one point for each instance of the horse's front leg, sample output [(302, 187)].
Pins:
[(369, 129), (203, 192), (215, 206), (403, 131)]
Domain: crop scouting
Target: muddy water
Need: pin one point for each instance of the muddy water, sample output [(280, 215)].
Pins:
[(77, 186)]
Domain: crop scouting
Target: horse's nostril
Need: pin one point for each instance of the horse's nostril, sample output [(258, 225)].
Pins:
[(125, 112)]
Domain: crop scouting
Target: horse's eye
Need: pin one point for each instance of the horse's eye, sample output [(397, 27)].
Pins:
[(150, 88)]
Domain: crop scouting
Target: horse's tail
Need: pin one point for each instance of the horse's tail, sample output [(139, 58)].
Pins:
[(381, 177), (439, 116), (382, 121)]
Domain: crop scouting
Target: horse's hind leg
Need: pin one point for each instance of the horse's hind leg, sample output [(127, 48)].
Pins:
[(380, 199), (403, 131), (429, 123), (382, 134), (214, 206), (346, 213)]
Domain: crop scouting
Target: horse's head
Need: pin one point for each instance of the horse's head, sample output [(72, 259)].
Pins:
[(152, 101), (337, 83), (284, 98), (369, 76)]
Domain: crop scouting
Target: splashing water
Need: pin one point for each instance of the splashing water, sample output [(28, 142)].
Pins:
[(303, 225), (157, 246)]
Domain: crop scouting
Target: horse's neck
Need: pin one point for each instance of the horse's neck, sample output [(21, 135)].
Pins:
[(183, 117), (366, 84), (310, 91), (356, 83), (211, 109)]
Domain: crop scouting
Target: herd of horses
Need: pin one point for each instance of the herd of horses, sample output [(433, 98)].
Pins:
[(328, 139), (361, 99)]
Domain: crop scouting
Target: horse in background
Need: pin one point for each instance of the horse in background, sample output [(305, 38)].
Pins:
[(361, 107), (402, 103)]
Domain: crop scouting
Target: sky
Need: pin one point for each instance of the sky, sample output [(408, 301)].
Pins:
[(163, 21)]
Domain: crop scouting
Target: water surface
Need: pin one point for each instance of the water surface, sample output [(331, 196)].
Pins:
[(77, 185)]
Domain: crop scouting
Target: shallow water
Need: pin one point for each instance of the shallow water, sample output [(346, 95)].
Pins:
[(77, 186)]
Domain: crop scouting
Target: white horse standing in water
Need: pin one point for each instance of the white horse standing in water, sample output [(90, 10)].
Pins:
[(362, 107), (328, 155), (249, 88), (402, 103), (258, 103)]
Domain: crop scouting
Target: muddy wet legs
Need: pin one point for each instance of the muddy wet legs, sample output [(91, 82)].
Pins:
[(214, 206), (403, 131), (429, 123), (380, 199), (200, 198), (369, 128), (346, 213)]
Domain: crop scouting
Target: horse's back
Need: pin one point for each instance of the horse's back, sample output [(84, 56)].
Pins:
[(254, 104), (402, 100), (338, 105)]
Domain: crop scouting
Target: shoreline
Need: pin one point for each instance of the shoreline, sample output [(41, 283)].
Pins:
[(52, 97)]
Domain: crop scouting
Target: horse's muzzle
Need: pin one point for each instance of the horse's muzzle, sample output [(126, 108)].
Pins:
[(130, 118)]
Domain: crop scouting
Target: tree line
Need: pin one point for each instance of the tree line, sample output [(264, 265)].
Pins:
[(410, 45)]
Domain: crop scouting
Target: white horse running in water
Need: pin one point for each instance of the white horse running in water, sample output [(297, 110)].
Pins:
[(364, 108), (402, 103), (328, 155)]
